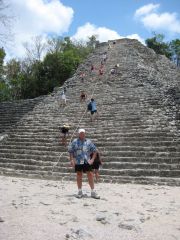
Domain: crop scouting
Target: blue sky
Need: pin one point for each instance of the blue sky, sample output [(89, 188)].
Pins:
[(118, 15), (80, 19)]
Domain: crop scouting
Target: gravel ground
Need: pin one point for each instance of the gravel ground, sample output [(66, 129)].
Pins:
[(32, 209)]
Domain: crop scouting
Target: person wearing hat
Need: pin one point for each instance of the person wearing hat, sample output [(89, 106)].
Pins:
[(80, 150), (64, 130)]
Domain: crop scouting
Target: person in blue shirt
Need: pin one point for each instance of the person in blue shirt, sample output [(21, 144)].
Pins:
[(80, 150), (94, 112)]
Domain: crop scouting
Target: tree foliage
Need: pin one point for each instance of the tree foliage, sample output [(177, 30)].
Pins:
[(36, 75), (2, 56), (158, 45), (4, 88), (175, 49)]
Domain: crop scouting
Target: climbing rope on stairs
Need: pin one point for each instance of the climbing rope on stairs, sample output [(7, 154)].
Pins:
[(75, 128)]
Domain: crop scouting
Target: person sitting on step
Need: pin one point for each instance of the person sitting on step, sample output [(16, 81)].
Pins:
[(64, 130)]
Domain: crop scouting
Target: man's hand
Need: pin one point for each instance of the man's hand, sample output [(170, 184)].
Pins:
[(90, 161), (72, 162)]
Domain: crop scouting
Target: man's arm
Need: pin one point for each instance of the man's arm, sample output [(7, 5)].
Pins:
[(72, 160), (92, 158)]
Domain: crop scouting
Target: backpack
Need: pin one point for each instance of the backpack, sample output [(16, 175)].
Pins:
[(89, 106)]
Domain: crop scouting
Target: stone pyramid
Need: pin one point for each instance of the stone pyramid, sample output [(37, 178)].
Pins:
[(137, 130)]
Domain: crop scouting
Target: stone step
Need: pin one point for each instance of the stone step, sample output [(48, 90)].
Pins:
[(141, 154), (101, 139), (57, 146), (27, 151), (157, 159), (102, 134), (113, 172), (50, 148), (141, 172), (31, 161), (56, 142), (130, 153), (142, 180), (106, 165), (140, 165), (105, 178), (136, 143), (105, 127), (33, 174), (34, 156), (140, 148), (63, 157)]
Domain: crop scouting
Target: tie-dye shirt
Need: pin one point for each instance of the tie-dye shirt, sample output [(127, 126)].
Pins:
[(81, 150)]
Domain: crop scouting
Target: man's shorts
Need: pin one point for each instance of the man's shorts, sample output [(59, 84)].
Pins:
[(92, 112), (83, 168)]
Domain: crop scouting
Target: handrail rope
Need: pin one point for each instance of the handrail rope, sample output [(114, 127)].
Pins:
[(74, 130), (83, 114)]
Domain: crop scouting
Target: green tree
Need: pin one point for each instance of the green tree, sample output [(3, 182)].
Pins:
[(58, 67), (92, 42), (158, 45), (5, 93), (35, 75), (175, 49), (31, 80), (2, 56), (54, 44), (4, 87), (61, 61), (13, 71)]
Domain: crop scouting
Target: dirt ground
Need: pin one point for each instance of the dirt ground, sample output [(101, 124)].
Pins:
[(32, 209)]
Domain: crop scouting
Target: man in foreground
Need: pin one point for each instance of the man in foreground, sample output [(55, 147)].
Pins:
[(80, 150)]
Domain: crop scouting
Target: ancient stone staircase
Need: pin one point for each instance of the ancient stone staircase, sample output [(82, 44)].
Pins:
[(137, 130)]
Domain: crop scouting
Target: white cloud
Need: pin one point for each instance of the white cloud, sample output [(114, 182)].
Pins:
[(38, 17), (146, 9), (164, 21), (102, 34), (136, 36), (158, 21)]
